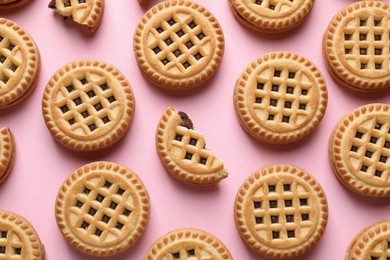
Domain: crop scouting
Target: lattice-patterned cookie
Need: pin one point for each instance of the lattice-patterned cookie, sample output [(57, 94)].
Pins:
[(271, 16), (88, 105), (186, 244), (359, 150), (85, 12), (102, 208), (19, 63), (18, 238), (280, 97), (281, 211), (183, 153), (356, 46), (8, 4), (178, 44), (7, 153), (372, 243)]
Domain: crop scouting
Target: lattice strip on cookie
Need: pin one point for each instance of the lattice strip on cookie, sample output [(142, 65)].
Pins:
[(197, 253), (380, 250), (275, 5), (179, 42), (9, 62), (367, 43), (102, 209), (10, 244), (192, 146), (282, 211), (282, 94), (87, 104), (70, 7), (370, 149)]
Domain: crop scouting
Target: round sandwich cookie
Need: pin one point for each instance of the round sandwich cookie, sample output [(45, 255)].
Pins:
[(359, 150), (281, 211), (19, 63), (271, 16), (10, 4), (178, 44), (280, 98), (88, 13), (18, 238), (356, 46), (88, 105), (188, 243), (102, 209), (372, 243), (182, 150), (7, 152)]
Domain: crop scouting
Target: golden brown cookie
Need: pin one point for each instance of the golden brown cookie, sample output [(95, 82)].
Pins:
[(183, 153), (188, 243), (18, 238), (178, 44), (102, 208), (85, 12), (271, 16), (19, 63), (88, 105), (280, 98), (372, 243), (9, 4), (359, 150), (7, 152), (281, 211), (356, 46)]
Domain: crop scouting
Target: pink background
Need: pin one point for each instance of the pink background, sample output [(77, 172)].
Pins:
[(42, 165)]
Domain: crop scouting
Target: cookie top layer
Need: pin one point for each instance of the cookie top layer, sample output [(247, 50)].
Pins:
[(356, 46), (88, 105), (271, 16), (19, 63), (84, 12), (188, 244), (359, 150), (280, 97), (102, 208), (7, 152), (373, 242), (18, 238), (182, 150), (281, 211), (178, 44)]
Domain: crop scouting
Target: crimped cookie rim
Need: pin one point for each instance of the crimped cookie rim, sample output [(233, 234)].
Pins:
[(335, 152), (6, 132), (171, 83), (117, 131), (333, 62), (239, 207), (171, 166), (37, 248), (187, 233), (139, 189), (257, 130)]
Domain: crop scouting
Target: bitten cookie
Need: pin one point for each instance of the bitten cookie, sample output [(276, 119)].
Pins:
[(281, 211), (9, 4), (356, 46), (19, 63), (359, 150), (271, 16), (88, 13), (88, 105), (183, 153), (188, 243), (372, 243), (18, 238), (178, 44), (7, 152), (280, 98), (102, 208)]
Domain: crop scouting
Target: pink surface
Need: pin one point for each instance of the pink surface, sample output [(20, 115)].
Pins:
[(42, 165)]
